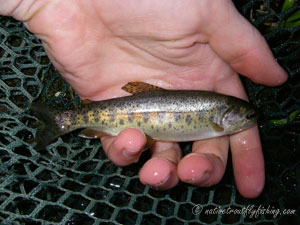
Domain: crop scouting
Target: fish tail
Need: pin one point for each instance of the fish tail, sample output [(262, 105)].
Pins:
[(48, 130)]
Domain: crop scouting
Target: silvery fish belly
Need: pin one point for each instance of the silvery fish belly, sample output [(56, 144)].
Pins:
[(166, 115)]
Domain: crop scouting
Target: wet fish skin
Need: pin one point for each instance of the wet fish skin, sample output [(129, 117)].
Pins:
[(167, 115)]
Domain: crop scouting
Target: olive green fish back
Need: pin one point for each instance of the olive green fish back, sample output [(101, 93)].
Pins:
[(73, 182)]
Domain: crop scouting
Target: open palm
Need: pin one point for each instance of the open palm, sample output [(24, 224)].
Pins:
[(98, 46)]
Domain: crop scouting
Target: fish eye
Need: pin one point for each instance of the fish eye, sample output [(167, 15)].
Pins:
[(251, 115)]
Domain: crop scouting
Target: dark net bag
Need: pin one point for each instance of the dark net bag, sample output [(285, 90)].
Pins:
[(73, 182)]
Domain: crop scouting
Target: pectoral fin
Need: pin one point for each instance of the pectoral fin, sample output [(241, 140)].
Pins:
[(91, 133), (216, 127), (138, 87)]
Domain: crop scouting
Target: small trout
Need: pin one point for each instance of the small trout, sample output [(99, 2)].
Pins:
[(164, 115)]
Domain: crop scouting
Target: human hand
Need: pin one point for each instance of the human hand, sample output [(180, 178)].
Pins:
[(101, 45)]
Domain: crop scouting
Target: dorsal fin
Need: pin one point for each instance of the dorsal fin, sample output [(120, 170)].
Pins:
[(138, 87), (86, 102)]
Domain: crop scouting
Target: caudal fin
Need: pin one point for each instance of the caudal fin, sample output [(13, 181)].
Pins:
[(48, 131)]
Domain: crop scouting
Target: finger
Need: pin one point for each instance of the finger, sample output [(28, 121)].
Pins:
[(238, 43), (126, 148), (20, 10), (247, 157), (231, 86), (248, 162), (206, 165), (160, 171)]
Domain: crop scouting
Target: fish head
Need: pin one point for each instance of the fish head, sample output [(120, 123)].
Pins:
[(239, 117)]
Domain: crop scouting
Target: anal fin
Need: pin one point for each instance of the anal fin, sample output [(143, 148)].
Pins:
[(90, 133), (150, 141)]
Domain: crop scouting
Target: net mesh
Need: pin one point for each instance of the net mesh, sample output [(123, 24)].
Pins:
[(73, 182)]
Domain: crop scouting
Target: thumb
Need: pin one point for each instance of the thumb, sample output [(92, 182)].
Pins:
[(239, 44)]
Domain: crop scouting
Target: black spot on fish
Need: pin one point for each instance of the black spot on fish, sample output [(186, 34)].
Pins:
[(221, 110), (177, 117), (112, 114), (161, 116), (121, 122), (120, 105), (146, 117), (85, 118), (169, 125), (102, 107), (200, 116), (96, 119), (139, 124), (130, 117), (73, 118), (112, 117), (152, 127), (188, 119), (102, 122)]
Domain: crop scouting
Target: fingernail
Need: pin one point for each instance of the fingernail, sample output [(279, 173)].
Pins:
[(201, 179), (161, 185), (130, 153)]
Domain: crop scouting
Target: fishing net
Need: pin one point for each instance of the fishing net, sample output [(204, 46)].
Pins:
[(73, 182)]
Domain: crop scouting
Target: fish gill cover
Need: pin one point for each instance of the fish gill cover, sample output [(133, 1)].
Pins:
[(73, 182)]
